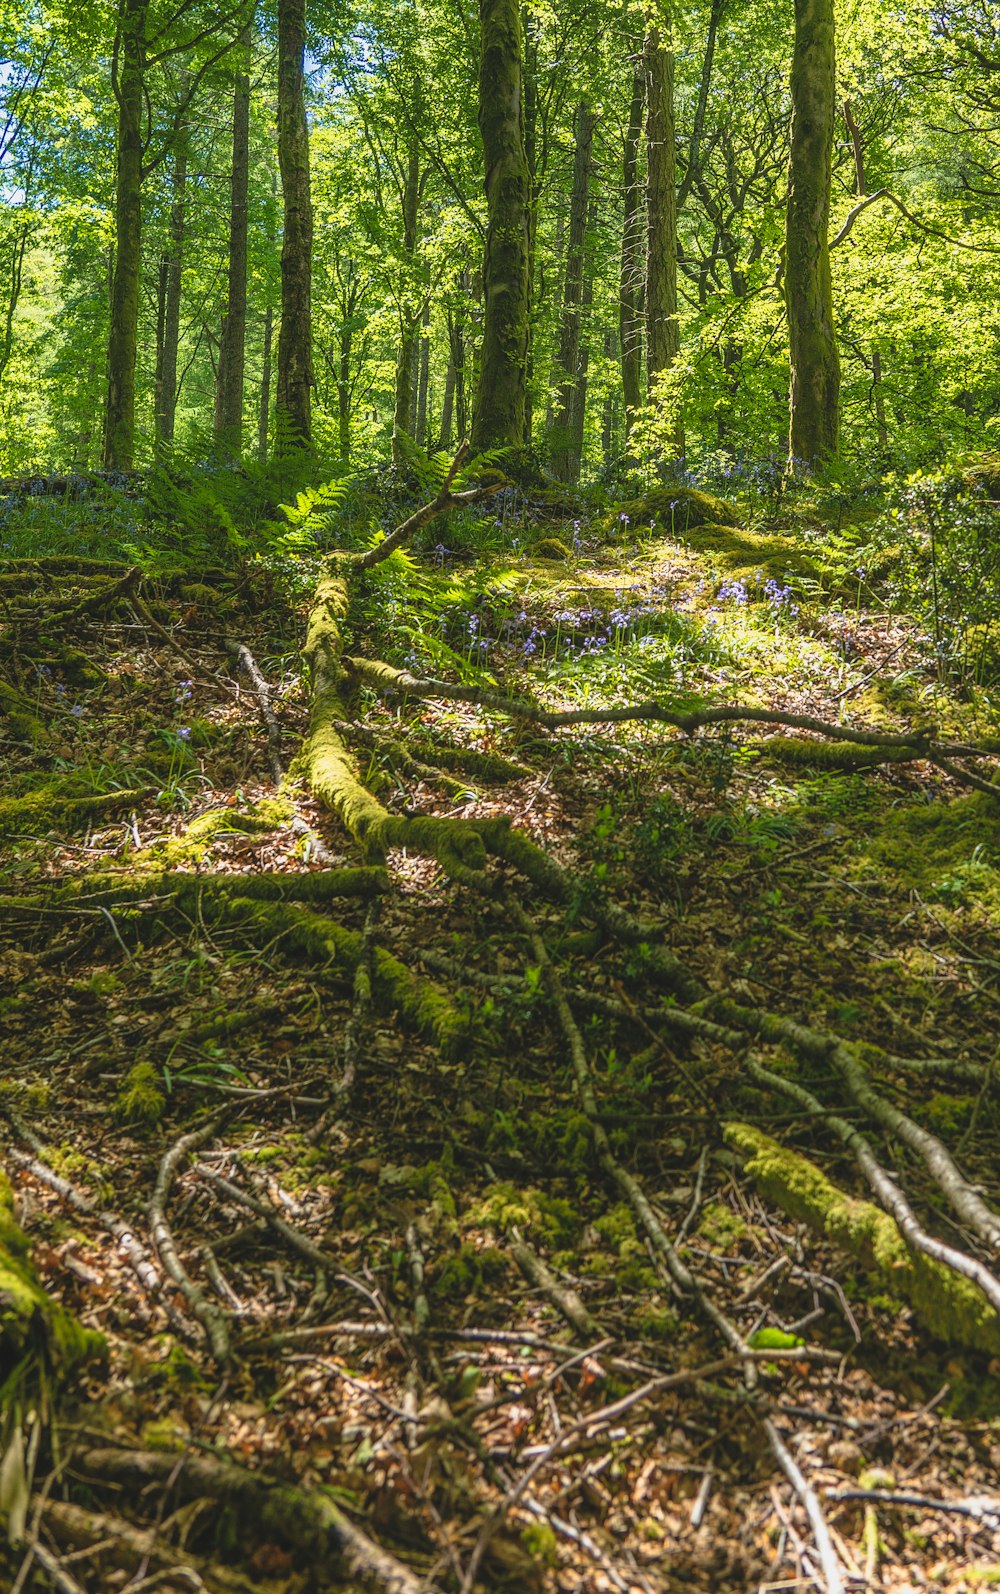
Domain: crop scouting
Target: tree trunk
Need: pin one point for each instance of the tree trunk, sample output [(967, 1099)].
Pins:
[(578, 408), (458, 359), (119, 422), (878, 394), (168, 320), (295, 334), (423, 379), (815, 367), (402, 421), (662, 331), (232, 349), (264, 411), (529, 34), (344, 395), (501, 392), (631, 302), (565, 459), (448, 402), (610, 405)]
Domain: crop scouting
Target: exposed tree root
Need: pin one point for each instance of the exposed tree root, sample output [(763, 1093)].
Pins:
[(49, 810), (308, 1521), (884, 746), (39, 1339), (949, 1304)]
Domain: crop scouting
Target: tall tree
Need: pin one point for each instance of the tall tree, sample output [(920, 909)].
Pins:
[(295, 333), (662, 325), (630, 308), (814, 394), (168, 303), (405, 395), (500, 397), (569, 409), (128, 84), (232, 348)]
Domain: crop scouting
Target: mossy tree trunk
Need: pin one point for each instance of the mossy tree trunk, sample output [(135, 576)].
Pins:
[(662, 328), (501, 394), (631, 288), (232, 350), (130, 53), (295, 334), (168, 325), (565, 459), (814, 397), (401, 420)]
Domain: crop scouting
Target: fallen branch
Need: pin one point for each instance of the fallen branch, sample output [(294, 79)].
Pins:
[(308, 1520), (205, 1311), (262, 692)]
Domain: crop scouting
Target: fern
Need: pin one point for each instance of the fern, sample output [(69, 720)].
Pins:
[(313, 517)]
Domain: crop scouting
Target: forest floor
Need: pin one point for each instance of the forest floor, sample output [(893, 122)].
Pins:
[(440, 1312)]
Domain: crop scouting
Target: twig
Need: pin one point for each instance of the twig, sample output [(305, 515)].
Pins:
[(444, 499), (915, 744), (566, 1301), (208, 1315), (828, 1559), (262, 692)]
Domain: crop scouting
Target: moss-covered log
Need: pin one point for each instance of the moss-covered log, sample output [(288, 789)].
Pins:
[(309, 1520), (333, 774), (21, 716), (39, 811), (420, 1002), (37, 1335), (948, 1305), (843, 756)]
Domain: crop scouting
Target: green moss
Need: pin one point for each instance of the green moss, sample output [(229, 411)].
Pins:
[(805, 752), (539, 1539), (565, 1137), (949, 1305), (546, 1217), (549, 548), (103, 983), (141, 1099), (56, 807), (677, 509), (741, 552), (948, 850), (198, 592), (658, 1322), (38, 1338), (21, 717), (467, 1271), (195, 842), (617, 1227), (947, 1113), (720, 1227)]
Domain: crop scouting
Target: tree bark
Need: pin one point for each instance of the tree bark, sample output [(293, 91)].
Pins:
[(232, 349), (662, 331), (119, 423), (578, 408), (631, 299), (861, 185), (423, 378), (295, 334), (501, 393), (264, 410), (403, 417), (565, 455), (168, 327), (814, 394)]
